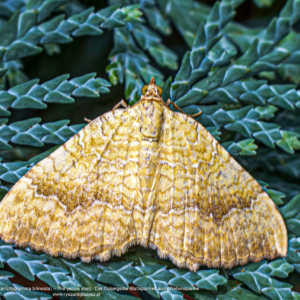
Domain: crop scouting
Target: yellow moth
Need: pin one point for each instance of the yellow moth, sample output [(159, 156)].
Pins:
[(144, 175)]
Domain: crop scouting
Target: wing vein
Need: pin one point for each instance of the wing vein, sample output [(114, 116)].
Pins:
[(186, 177), (104, 220), (123, 179)]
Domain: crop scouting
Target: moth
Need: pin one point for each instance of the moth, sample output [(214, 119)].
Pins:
[(144, 175)]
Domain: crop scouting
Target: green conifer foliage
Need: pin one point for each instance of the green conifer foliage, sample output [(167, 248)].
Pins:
[(244, 78)]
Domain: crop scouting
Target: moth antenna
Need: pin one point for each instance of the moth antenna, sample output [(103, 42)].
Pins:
[(177, 107), (121, 103)]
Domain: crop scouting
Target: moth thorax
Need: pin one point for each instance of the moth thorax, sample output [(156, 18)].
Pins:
[(151, 119)]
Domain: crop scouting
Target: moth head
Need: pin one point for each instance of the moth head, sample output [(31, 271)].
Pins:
[(152, 89)]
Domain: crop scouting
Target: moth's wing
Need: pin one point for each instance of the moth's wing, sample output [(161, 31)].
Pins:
[(77, 201), (210, 210)]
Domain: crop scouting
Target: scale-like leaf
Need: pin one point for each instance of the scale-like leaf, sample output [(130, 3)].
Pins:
[(257, 276), (155, 279), (29, 132), (22, 41), (118, 274), (58, 90), (204, 279)]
